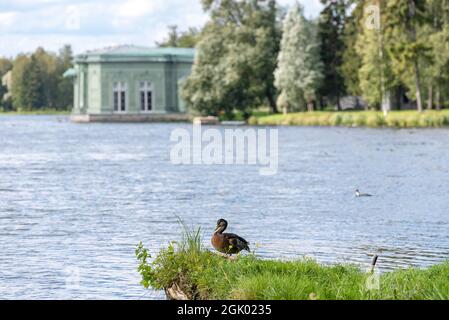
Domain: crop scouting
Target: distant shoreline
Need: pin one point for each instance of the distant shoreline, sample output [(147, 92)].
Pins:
[(370, 119), (46, 112), (357, 119)]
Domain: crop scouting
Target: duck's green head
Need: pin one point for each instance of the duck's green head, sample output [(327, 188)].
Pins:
[(222, 224)]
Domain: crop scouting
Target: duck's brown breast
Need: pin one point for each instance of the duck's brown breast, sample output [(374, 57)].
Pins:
[(219, 243)]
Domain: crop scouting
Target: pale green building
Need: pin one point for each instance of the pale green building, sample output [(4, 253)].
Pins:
[(130, 83)]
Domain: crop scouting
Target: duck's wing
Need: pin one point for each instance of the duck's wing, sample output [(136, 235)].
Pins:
[(237, 241)]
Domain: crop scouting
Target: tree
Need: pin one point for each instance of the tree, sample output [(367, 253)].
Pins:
[(403, 19), (38, 81), (19, 98), (3, 90), (331, 28), (376, 80), (204, 90), (267, 49), (47, 71), (236, 58), (298, 74), (436, 71), (186, 39), (5, 66), (351, 60), (33, 85), (64, 85)]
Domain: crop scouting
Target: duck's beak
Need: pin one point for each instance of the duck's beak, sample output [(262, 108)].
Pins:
[(217, 228)]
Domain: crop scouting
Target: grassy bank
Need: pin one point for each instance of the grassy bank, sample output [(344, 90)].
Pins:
[(36, 112), (201, 274), (395, 119)]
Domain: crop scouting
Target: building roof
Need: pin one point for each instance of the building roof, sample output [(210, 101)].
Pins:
[(125, 53)]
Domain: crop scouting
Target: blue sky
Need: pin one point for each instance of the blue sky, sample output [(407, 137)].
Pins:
[(90, 24)]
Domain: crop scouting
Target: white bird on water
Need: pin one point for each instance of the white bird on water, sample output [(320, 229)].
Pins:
[(359, 194)]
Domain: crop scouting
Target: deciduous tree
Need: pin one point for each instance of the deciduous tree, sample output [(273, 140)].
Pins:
[(375, 77), (351, 60), (403, 19), (236, 58), (176, 39), (331, 26)]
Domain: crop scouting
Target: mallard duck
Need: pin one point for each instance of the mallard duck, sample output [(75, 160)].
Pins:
[(227, 243), (359, 194)]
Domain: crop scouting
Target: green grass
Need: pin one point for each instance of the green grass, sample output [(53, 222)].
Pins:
[(395, 119), (35, 112), (202, 274)]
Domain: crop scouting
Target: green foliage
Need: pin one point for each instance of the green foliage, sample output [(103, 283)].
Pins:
[(201, 274), (351, 60), (21, 63), (374, 75), (5, 66), (395, 119), (33, 85), (38, 82), (175, 39), (331, 26), (3, 91), (44, 111), (64, 86), (239, 66), (236, 58), (436, 68), (407, 50)]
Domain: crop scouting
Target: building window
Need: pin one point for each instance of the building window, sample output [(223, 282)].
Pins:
[(119, 91), (146, 96), (115, 101)]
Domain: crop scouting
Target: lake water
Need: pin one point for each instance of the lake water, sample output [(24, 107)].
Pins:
[(76, 199)]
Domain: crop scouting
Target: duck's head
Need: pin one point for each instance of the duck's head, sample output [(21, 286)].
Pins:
[(222, 224), (357, 192)]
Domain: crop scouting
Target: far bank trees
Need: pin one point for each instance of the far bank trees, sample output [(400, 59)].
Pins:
[(236, 59), (38, 83), (299, 72)]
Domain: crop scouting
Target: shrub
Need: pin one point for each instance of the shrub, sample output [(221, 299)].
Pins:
[(395, 119)]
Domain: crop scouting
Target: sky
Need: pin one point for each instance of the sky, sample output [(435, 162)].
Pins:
[(91, 24)]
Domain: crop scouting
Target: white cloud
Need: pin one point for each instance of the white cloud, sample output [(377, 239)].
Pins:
[(28, 2), (7, 19), (135, 8)]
